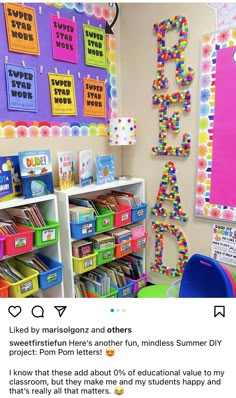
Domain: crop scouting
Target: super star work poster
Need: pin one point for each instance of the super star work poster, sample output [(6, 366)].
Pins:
[(42, 39), (216, 186)]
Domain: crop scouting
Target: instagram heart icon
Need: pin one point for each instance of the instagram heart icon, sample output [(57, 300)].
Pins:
[(14, 310)]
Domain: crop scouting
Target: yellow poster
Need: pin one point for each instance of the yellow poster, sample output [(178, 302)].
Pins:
[(94, 98), (62, 92), (22, 30)]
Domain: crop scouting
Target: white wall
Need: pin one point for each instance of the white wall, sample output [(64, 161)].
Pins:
[(138, 70)]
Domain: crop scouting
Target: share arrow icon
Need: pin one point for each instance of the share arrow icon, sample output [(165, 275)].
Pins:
[(61, 309)]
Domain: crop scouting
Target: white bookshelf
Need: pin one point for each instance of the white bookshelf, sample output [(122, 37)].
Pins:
[(49, 209), (135, 185)]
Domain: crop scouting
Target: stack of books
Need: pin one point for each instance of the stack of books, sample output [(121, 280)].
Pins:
[(81, 248), (8, 227), (33, 261), (9, 273), (102, 240), (131, 265), (120, 234), (28, 215), (80, 213), (80, 290)]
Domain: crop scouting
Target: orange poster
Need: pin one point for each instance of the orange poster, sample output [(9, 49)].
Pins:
[(94, 98), (21, 29)]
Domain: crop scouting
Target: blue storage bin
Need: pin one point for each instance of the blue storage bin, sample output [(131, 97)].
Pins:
[(139, 213), (51, 277), (125, 291), (81, 230)]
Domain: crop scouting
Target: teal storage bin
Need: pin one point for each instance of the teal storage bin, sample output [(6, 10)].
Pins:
[(81, 230), (51, 277), (139, 213)]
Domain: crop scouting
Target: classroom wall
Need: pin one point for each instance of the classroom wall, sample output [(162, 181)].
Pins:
[(98, 144), (138, 70), (136, 66)]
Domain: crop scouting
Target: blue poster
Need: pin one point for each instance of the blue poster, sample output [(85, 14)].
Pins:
[(21, 88)]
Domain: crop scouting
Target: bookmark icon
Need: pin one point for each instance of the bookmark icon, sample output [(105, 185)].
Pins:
[(61, 309)]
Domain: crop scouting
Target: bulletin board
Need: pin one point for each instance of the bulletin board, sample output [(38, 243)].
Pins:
[(57, 70), (216, 183)]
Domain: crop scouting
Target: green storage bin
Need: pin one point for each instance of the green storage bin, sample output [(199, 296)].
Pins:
[(48, 235), (112, 294), (105, 221), (105, 255)]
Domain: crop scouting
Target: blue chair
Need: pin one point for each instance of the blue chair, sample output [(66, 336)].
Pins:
[(205, 277)]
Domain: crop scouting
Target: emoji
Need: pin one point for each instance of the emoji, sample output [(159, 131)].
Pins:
[(110, 352), (119, 390)]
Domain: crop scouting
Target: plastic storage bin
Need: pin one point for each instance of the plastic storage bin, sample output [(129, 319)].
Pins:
[(3, 288), (124, 248), (2, 246), (125, 291), (51, 277), (105, 255), (113, 294), (139, 213), (139, 283), (105, 220), (26, 286), (84, 264), (21, 242), (122, 217), (139, 243), (48, 235), (81, 230)]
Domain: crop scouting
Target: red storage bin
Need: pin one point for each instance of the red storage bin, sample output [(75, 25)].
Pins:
[(3, 288), (139, 243), (21, 242), (122, 217)]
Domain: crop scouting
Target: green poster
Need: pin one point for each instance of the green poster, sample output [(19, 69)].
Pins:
[(95, 46)]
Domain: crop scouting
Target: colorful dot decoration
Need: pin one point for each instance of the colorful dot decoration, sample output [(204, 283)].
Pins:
[(166, 123), (169, 179), (122, 131), (183, 78), (157, 264)]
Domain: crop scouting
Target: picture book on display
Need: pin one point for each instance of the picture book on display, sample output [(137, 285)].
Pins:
[(36, 173), (10, 181), (85, 167), (66, 170), (105, 168)]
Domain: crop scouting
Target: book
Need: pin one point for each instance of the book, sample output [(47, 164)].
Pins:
[(66, 171), (36, 173), (10, 180), (105, 169), (85, 167)]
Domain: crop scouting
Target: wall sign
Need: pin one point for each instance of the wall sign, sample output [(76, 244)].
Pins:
[(223, 246), (215, 190), (22, 30), (62, 89), (94, 98), (21, 88), (64, 39), (94, 46)]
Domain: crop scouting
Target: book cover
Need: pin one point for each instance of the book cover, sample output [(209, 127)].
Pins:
[(66, 170), (105, 169), (10, 180), (36, 173), (85, 167)]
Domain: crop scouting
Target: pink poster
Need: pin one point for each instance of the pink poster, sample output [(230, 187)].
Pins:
[(64, 39), (223, 157)]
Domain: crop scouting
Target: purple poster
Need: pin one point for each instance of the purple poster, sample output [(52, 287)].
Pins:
[(64, 39), (21, 88)]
